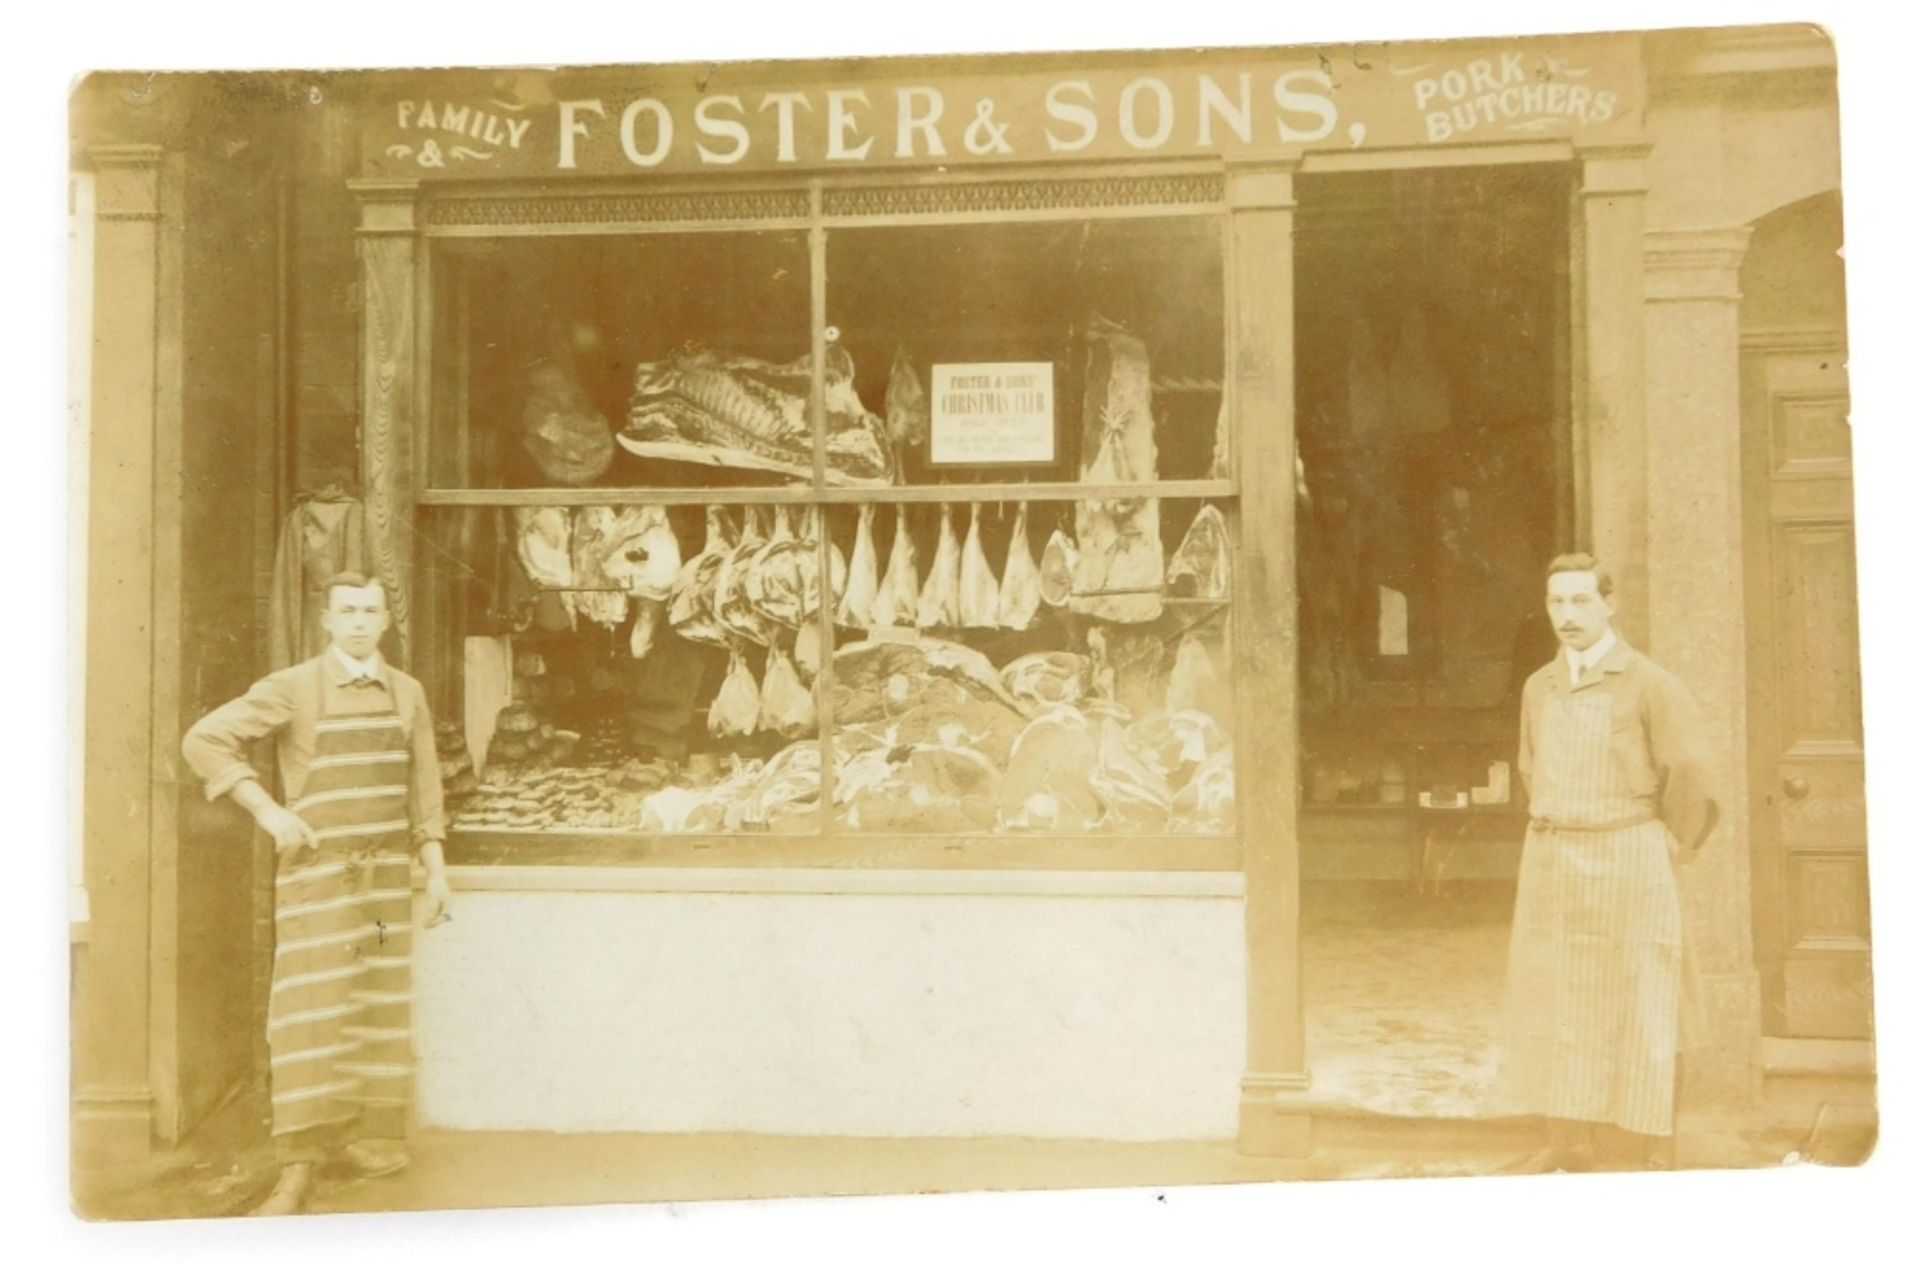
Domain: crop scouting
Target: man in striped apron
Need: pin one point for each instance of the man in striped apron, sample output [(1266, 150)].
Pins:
[(362, 784), (1613, 755)]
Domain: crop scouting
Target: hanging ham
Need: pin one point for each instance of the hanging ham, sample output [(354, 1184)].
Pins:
[(786, 705), (648, 617), (600, 601), (979, 589), (565, 436), (1194, 685), (940, 598), (1119, 576), (863, 576), (776, 577), (1058, 565), (731, 608), (907, 414), (543, 541), (1019, 581), (813, 532), (736, 707), (690, 607), (1202, 567), (643, 558), (897, 603)]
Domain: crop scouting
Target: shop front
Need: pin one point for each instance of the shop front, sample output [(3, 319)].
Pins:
[(910, 561), (923, 567)]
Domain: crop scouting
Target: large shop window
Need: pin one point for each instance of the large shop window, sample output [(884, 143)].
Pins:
[(944, 511)]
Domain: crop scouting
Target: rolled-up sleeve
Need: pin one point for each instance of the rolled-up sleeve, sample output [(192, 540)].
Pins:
[(1678, 737), (216, 747), (425, 805)]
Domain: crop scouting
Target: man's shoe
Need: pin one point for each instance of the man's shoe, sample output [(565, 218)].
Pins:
[(1551, 1158), (289, 1192), (376, 1160)]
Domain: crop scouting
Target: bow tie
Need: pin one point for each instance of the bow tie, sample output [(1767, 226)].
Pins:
[(362, 681)]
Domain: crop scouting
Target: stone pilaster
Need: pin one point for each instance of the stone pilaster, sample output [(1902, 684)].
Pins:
[(389, 382), (1609, 389), (1260, 407), (1697, 620), (113, 1098)]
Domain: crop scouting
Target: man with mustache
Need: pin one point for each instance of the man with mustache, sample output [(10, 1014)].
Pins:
[(1614, 757), (362, 785)]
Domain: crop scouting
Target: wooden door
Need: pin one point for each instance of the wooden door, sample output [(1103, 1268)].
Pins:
[(1809, 805)]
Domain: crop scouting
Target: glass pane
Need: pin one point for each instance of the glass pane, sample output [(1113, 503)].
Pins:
[(978, 688), (641, 669), (1056, 351), (651, 360)]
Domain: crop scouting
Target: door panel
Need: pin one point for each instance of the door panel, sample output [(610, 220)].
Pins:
[(1810, 816)]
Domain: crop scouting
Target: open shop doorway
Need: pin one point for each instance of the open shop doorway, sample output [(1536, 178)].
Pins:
[(1434, 344)]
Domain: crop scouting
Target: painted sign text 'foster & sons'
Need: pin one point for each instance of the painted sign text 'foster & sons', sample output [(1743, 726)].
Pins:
[(690, 119)]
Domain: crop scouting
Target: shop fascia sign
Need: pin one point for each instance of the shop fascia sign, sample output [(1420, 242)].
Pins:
[(693, 120)]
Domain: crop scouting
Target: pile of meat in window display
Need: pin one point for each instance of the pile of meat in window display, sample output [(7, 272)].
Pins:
[(929, 735)]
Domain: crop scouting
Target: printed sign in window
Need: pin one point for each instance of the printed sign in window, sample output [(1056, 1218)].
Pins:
[(993, 413)]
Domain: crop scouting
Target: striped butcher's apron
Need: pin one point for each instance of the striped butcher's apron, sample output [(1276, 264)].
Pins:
[(1594, 969), (339, 1018)]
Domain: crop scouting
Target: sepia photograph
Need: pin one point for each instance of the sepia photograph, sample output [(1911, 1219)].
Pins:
[(692, 631)]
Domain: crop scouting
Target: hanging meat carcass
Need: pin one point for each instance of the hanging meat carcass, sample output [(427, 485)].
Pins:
[(565, 436), (699, 406), (731, 608), (1058, 564), (736, 707), (690, 608), (1194, 684), (643, 558), (648, 617), (786, 705), (785, 581), (806, 647), (543, 542), (979, 590), (599, 601), (940, 598), (863, 576), (1019, 581), (1202, 566), (897, 603), (1120, 570), (776, 577), (907, 413)]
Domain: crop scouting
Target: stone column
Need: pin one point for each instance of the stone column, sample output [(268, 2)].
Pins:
[(1260, 412), (1609, 389), (1697, 621), (389, 383), (112, 1091)]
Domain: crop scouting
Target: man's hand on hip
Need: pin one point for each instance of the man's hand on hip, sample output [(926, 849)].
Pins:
[(288, 831)]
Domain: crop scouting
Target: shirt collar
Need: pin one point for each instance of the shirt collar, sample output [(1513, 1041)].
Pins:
[(1579, 662), (346, 670)]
